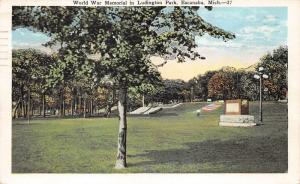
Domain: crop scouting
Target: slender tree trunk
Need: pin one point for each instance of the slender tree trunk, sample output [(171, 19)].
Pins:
[(19, 111), (40, 109), (25, 108), (62, 103), (114, 94), (143, 100), (72, 106), (28, 107), (43, 106), (121, 155), (22, 108), (84, 107), (22, 102), (92, 106), (15, 109), (80, 106), (75, 105), (60, 106), (192, 94), (108, 105), (108, 110), (63, 107)]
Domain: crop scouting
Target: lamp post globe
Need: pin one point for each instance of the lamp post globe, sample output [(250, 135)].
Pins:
[(256, 76), (265, 76)]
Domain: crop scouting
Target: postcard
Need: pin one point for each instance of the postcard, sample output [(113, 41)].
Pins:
[(149, 91)]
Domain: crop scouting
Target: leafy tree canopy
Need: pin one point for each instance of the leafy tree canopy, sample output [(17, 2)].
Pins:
[(123, 37)]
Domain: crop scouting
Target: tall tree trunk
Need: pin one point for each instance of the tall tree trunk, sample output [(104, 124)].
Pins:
[(92, 107), (108, 110), (22, 102), (44, 104), (63, 107), (75, 105), (72, 106), (80, 106), (22, 108), (62, 103), (192, 94), (143, 100), (28, 107), (19, 114), (40, 105), (114, 94), (15, 109), (40, 109), (121, 155), (25, 108), (84, 107), (108, 105)]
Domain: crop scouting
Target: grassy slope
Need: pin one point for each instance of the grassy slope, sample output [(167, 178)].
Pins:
[(164, 143)]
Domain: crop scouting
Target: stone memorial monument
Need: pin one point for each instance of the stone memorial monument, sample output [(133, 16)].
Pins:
[(236, 113)]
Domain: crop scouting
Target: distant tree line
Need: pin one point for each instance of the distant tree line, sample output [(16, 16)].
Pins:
[(37, 87), (33, 71), (230, 83)]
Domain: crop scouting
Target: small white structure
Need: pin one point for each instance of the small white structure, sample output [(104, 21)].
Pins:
[(171, 107), (237, 114), (140, 110), (153, 110), (237, 120), (198, 112)]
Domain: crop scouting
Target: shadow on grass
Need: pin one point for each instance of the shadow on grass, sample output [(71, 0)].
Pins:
[(255, 154)]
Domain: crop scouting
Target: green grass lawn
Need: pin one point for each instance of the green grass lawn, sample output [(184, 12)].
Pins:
[(172, 141)]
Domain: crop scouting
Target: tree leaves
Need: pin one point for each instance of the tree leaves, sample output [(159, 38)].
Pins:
[(124, 37), (275, 66)]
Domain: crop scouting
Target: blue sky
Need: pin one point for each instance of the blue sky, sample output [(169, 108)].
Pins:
[(24, 38), (261, 29), (258, 30)]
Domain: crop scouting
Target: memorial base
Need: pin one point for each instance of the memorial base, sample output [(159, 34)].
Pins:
[(237, 120)]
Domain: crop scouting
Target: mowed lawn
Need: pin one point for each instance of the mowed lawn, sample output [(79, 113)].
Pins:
[(172, 141)]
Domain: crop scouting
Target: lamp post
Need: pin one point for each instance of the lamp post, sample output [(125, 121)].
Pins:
[(259, 75)]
